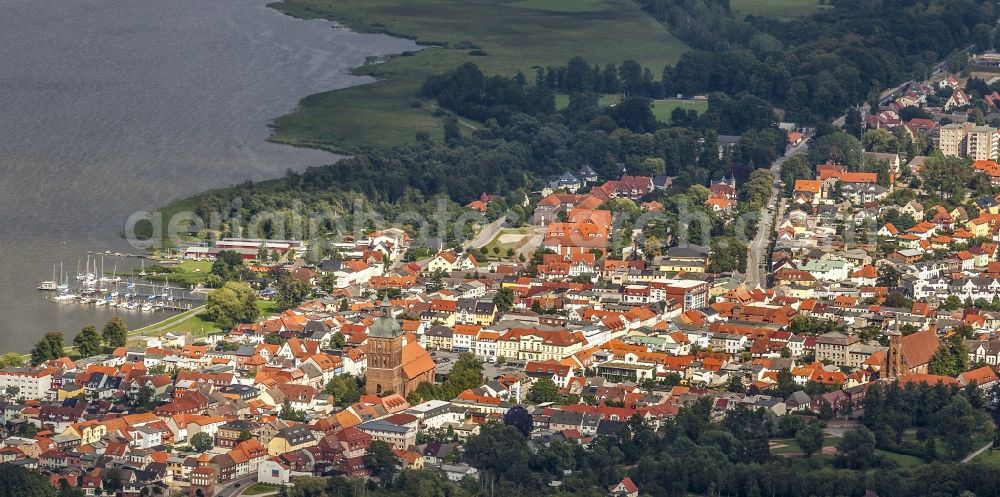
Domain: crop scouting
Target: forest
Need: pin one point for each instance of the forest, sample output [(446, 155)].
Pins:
[(817, 66)]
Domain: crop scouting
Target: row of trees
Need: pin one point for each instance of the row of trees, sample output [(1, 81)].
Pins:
[(88, 342)]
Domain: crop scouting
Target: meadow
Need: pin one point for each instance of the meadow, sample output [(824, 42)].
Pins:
[(782, 9), (500, 36)]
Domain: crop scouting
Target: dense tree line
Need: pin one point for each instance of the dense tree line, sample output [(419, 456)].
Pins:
[(817, 66), (947, 419), (467, 91), (694, 454)]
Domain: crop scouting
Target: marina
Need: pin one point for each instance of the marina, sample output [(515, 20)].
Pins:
[(93, 285)]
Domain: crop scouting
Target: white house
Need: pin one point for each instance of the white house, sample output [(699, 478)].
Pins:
[(272, 472)]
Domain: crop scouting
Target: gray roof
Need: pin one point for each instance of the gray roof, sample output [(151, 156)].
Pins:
[(379, 425), (385, 326)]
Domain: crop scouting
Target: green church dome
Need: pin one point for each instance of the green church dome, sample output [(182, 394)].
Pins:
[(385, 326)]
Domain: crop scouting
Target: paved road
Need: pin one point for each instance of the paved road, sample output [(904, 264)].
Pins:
[(487, 234), (756, 273), (231, 490)]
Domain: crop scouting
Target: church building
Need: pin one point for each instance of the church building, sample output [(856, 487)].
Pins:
[(395, 364), (911, 353)]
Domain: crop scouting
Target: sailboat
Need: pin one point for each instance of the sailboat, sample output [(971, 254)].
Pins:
[(114, 278), (64, 286)]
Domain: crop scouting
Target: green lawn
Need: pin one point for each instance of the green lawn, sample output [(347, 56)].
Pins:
[(782, 9), (790, 449), (662, 108), (259, 488), (267, 307), (517, 35), (196, 322), (186, 273), (904, 460), (562, 100), (991, 457), (561, 5), (193, 321)]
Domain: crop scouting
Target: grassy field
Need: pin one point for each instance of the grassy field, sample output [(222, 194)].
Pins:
[(663, 108), (782, 9), (260, 488), (193, 321), (991, 457), (516, 35), (562, 100), (187, 273), (196, 322), (788, 448), (904, 460)]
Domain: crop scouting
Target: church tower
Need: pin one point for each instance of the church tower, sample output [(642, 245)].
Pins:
[(894, 356), (385, 355)]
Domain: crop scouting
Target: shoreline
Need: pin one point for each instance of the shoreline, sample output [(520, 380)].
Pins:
[(391, 111)]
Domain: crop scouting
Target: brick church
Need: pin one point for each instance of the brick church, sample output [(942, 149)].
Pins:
[(910, 354), (396, 362)]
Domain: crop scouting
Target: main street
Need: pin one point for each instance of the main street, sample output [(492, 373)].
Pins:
[(756, 273)]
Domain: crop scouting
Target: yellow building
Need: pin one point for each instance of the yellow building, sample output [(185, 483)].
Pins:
[(89, 431), (290, 439), (982, 225), (70, 392), (527, 344)]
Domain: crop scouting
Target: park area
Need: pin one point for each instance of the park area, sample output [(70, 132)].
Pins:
[(195, 322), (662, 108), (834, 434), (188, 273)]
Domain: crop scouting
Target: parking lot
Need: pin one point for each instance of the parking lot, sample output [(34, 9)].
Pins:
[(445, 360)]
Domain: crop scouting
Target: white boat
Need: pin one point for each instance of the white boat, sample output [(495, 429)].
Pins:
[(52, 284), (64, 297), (147, 306)]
